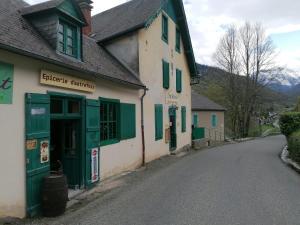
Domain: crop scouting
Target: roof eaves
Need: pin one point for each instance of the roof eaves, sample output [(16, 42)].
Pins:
[(58, 63)]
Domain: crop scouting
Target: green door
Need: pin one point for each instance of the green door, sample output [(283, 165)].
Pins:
[(92, 142), (37, 148), (173, 134)]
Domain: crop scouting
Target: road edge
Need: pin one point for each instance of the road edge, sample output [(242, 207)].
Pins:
[(284, 157)]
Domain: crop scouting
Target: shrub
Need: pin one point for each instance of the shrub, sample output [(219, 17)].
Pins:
[(289, 123), (294, 146)]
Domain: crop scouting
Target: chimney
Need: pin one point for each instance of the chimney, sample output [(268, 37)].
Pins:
[(86, 8)]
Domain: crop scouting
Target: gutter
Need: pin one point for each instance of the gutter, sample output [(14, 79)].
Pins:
[(58, 63), (143, 126)]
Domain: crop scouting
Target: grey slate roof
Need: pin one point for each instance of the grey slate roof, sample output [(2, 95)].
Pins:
[(129, 16), (18, 35), (41, 6), (201, 103)]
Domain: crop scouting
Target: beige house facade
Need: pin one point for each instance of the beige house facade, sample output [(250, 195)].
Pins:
[(96, 101), (208, 116)]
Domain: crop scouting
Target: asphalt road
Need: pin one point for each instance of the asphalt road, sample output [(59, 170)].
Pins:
[(239, 184)]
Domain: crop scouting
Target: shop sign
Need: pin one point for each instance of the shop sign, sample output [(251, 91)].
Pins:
[(44, 151), (65, 81), (6, 83), (172, 99), (31, 144), (95, 165)]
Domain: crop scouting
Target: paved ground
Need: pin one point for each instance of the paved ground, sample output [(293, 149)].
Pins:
[(239, 184)]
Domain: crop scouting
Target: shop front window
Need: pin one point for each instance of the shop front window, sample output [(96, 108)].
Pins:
[(108, 122)]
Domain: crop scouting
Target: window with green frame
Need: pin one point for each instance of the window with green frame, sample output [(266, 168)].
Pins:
[(178, 43), (68, 39), (178, 81), (166, 74), (214, 120), (165, 28), (158, 122), (183, 119), (109, 122)]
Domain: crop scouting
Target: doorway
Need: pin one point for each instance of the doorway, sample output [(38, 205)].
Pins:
[(66, 139), (173, 133)]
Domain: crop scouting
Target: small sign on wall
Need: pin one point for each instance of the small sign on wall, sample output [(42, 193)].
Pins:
[(6, 83), (168, 135), (95, 165)]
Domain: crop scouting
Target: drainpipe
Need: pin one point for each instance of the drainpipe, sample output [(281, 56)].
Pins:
[(142, 123)]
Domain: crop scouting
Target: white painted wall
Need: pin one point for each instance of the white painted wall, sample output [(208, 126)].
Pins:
[(152, 50), (126, 155)]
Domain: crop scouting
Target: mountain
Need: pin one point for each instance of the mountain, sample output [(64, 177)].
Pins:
[(286, 82), (276, 95)]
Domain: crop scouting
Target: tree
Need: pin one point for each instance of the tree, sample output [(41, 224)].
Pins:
[(248, 56)]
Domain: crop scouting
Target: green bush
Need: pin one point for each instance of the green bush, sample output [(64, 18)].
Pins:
[(294, 146), (289, 123)]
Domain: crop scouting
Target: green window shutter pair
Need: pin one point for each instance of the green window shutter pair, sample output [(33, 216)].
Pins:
[(165, 28), (166, 74), (183, 119), (127, 121), (177, 46), (214, 120), (158, 122), (178, 81)]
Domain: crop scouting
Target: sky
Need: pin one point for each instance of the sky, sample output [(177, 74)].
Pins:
[(207, 20)]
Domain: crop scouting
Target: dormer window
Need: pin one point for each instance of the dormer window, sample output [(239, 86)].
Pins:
[(68, 39)]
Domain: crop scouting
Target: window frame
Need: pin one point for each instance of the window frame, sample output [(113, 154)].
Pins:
[(65, 36), (214, 120), (165, 28), (116, 139)]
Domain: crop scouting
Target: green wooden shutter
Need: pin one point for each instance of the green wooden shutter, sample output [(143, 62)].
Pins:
[(166, 74), (127, 121), (183, 119), (158, 122), (178, 81), (214, 120), (195, 120), (165, 28), (37, 132), (177, 46), (92, 115)]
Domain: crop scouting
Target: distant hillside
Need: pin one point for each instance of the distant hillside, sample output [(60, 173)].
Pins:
[(213, 79)]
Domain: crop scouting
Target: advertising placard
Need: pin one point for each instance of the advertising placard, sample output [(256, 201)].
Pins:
[(44, 151), (95, 165)]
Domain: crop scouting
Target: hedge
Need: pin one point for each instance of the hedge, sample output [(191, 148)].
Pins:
[(289, 123), (294, 146)]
